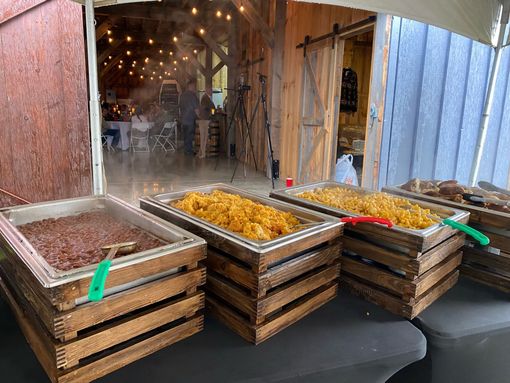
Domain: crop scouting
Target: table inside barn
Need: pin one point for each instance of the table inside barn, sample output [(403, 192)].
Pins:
[(347, 340)]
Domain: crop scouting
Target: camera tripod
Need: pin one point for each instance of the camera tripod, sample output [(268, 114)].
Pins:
[(240, 108)]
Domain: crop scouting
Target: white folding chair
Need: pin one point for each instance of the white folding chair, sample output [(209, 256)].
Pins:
[(139, 141), (167, 138), (107, 142)]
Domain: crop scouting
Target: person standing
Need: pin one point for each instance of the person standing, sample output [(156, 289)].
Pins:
[(189, 109), (206, 109)]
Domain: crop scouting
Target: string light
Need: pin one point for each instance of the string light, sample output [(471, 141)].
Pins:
[(141, 76), (109, 32), (130, 73), (194, 11), (241, 8), (218, 13), (151, 41), (160, 77), (146, 59), (121, 61), (161, 63), (175, 68), (175, 39), (110, 40), (134, 62), (109, 57), (152, 78), (153, 72), (120, 66), (175, 62), (195, 51), (128, 53), (171, 53), (133, 65), (143, 68), (202, 31), (229, 17), (105, 63), (128, 38), (161, 51)]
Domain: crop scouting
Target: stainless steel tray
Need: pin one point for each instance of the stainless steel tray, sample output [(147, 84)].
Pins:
[(290, 195), (11, 239), (323, 222)]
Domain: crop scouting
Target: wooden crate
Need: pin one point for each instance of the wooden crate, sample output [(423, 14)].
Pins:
[(258, 305), (94, 339), (403, 271), (81, 342), (260, 288), (487, 265), (418, 282)]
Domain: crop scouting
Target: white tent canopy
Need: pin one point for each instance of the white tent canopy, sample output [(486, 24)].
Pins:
[(476, 19)]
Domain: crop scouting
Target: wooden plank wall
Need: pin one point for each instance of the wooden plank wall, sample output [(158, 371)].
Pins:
[(303, 19), (251, 50), (44, 132)]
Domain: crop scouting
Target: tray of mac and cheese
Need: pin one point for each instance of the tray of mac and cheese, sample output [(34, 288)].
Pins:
[(230, 218), (415, 222)]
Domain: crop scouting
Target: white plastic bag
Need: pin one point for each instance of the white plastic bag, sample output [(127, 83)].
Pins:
[(345, 172)]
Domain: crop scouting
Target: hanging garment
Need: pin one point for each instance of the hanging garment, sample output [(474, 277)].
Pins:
[(349, 99)]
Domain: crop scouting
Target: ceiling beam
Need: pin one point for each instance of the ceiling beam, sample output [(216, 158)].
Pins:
[(108, 51), (217, 68), (107, 24), (192, 59), (115, 61), (255, 20), (217, 49)]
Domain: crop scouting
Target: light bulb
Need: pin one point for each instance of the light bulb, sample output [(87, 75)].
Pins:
[(128, 38), (151, 41), (218, 13), (109, 32), (229, 17), (175, 38), (110, 39), (194, 10), (202, 31), (241, 8)]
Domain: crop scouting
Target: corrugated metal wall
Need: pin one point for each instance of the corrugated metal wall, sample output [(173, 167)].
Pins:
[(434, 99)]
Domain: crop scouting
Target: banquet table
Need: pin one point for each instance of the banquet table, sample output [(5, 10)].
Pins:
[(125, 128), (347, 340)]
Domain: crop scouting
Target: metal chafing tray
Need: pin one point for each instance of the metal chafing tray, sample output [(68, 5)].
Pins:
[(217, 236), (425, 238), (13, 241)]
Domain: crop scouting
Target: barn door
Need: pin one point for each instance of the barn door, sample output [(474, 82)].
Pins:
[(320, 102)]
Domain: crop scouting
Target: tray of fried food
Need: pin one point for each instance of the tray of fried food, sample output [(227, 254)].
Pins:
[(452, 190)]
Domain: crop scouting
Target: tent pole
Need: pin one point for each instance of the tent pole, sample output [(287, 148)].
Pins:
[(94, 106), (489, 98)]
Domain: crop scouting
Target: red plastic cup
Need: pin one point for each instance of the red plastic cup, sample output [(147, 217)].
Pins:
[(289, 182)]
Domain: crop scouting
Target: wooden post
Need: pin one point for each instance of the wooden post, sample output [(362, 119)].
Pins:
[(275, 107), (208, 67), (373, 136), (233, 73)]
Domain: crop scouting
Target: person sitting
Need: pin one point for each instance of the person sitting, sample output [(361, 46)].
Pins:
[(139, 116), (105, 130)]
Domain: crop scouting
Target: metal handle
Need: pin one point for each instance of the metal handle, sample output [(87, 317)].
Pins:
[(355, 220), (481, 238)]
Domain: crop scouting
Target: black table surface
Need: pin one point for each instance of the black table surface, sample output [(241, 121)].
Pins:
[(469, 309), (346, 333)]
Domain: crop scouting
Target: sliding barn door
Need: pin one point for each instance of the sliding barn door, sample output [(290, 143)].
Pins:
[(320, 102)]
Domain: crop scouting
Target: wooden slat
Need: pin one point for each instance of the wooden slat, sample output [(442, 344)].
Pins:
[(295, 312), (105, 337), (90, 314), (130, 354), (437, 273), (305, 285), (277, 275), (436, 292), (231, 294), (499, 264), (440, 252), (486, 277), (231, 269), (127, 274)]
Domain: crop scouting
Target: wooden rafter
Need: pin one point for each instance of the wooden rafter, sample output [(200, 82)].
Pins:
[(255, 20), (102, 29)]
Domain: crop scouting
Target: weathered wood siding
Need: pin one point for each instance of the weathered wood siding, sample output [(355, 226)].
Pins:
[(437, 82), (303, 19), (44, 136)]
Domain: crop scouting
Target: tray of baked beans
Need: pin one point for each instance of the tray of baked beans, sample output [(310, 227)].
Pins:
[(63, 239)]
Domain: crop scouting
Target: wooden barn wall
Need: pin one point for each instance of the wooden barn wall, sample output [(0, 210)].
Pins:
[(303, 19), (45, 152), (437, 82), (255, 57)]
